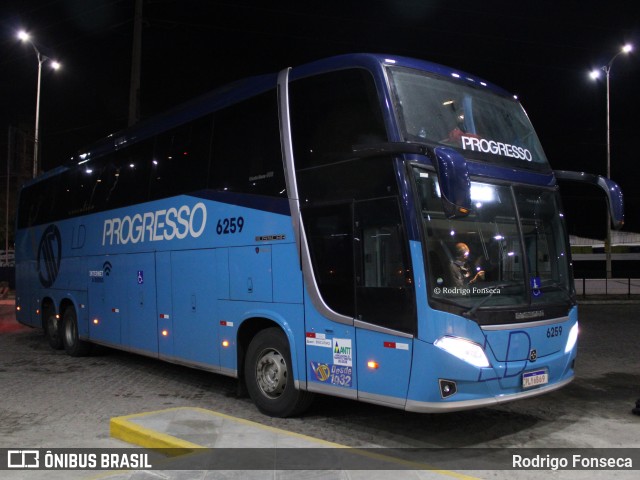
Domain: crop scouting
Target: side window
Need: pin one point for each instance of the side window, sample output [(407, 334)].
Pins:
[(332, 112), (247, 156), (384, 285), (360, 261), (36, 204), (330, 236), (126, 176), (180, 160)]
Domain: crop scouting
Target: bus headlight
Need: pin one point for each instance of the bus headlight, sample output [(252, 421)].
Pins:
[(464, 349), (573, 338)]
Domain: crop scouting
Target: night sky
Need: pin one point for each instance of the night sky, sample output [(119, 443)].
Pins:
[(541, 50)]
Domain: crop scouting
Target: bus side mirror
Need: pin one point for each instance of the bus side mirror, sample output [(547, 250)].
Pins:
[(455, 186), (611, 189)]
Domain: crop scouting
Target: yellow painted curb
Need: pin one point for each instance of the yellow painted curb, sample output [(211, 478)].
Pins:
[(124, 429)]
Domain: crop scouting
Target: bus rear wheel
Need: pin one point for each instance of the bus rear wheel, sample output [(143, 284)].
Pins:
[(52, 327), (269, 376), (72, 343)]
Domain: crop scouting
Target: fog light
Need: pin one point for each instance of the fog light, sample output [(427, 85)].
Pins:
[(447, 388)]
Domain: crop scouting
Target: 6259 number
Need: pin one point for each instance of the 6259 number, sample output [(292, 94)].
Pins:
[(554, 332), (231, 225)]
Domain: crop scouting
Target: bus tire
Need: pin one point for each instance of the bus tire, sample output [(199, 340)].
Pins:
[(269, 376), (72, 343), (52, 327)]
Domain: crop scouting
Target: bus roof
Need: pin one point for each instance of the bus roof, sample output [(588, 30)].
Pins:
[(241, 89)]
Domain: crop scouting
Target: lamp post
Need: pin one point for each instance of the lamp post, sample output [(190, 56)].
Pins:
[(594, 75), (25, 37)]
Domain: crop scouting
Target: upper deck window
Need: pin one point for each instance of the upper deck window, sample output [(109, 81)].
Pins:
[(479, 123)]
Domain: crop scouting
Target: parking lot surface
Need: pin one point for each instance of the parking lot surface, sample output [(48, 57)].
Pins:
[(51, 400)]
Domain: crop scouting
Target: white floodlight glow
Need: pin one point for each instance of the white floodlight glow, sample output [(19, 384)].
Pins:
[(482, 193), (464, 349), (572, 339)]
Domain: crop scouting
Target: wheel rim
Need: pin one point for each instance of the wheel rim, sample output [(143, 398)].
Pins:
[(70, 332), (271, 373), (52, 327)]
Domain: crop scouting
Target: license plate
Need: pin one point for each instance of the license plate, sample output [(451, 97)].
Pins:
[(535, 378)]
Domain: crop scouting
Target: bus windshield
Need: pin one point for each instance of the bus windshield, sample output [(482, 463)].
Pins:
[(510, 251), (482, 125)]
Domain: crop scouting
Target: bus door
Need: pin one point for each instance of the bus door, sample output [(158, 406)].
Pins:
[(360, 267), (385, 302), (330, 335)]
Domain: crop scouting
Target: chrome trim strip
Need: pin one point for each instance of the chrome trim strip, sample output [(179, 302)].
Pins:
[(383, 400), (167, 358), (294, 204), (378, 328), (331, 390), (452, 406), (539, 323), (200, 366)]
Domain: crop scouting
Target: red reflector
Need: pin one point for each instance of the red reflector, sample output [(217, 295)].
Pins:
[(389, 344)]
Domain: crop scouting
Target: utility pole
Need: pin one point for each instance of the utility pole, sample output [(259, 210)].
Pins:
[(134, 89), (6, 219)]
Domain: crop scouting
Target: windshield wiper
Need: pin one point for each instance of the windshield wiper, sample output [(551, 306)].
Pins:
[(555, 285), (471, 312)]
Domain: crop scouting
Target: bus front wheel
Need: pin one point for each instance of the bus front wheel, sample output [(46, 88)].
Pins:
[(269, 376), (72, 343)]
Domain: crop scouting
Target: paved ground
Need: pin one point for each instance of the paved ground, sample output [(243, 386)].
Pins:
[(51, 400)]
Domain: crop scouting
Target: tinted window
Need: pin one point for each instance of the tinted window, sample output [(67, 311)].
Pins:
[(235, 149), (332, 112), (246, 148), (384, 286), (180, 161), (330, 236)]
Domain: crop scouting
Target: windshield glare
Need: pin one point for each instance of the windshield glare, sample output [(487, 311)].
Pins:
[(481, 258), (481, 124)]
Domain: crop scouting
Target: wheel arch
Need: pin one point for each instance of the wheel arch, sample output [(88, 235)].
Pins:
[(66, 303), (251, 326), (46, 303)]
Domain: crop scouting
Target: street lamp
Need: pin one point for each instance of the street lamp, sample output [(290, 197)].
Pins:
[(25, 37), (595, 74)]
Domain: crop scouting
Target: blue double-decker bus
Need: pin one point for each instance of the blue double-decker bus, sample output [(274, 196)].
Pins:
[(371, 227)]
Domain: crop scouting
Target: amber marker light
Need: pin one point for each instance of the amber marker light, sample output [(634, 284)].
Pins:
[(225, 343), (96, 321), (373, 365), (165, 333)]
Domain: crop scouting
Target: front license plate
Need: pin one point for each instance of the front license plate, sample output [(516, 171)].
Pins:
[(535, 378)]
